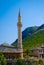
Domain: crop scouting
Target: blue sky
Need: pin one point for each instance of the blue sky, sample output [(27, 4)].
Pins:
[(32, 12)]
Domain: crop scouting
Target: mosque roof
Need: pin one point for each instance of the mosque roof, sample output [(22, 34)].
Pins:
[(6, 45), (7, 48)]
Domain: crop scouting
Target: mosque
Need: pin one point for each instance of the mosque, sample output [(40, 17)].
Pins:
[(9, 51)]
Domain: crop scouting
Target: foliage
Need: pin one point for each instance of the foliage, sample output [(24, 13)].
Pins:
[(41, 62), (2, 59), (34, 40), (20, 62), (26, 53), (35, 63)]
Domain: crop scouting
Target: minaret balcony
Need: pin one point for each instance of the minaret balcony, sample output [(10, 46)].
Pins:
[(19, 24)]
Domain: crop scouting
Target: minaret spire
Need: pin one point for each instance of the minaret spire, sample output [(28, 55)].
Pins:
[(19, 12), (19, 16), (19, 25)]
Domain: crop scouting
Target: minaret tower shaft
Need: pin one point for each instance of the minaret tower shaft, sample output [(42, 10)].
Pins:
[(19, 25)]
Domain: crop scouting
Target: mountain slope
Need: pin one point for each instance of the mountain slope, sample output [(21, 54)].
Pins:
[(41, 27), (33, 38), (27, 32)]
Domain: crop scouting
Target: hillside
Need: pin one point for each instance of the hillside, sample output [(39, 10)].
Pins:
[(27, 32), (34, 39), (41, 27)]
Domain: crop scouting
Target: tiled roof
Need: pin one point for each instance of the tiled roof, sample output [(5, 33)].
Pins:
[(8, 48), (38, 48)]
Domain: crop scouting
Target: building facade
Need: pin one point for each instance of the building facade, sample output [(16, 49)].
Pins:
[(38, 51)]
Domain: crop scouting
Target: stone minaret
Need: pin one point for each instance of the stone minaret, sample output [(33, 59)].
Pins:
[(19, 25)]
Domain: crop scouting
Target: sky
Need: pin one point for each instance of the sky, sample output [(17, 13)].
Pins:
[(32, 13)]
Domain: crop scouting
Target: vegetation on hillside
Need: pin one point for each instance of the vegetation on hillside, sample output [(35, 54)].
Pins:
[(29, 62), (34, 37), (34, 40), (27, 32)]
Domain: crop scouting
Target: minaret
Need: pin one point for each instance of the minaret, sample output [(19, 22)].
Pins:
[(19, 25)]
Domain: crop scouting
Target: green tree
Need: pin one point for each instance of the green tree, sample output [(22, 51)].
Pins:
[(41, 62), (27, 53), (2, 59), (20, 62)]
